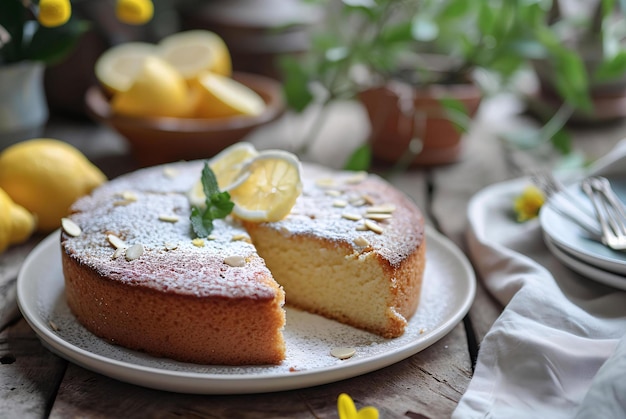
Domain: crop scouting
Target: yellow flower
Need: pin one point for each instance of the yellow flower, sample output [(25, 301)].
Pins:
[(528, 203), (347, 409), (134, 12), (54, 13)]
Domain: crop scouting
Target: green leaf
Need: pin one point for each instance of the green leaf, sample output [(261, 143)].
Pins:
[(218, 204), (295, 84), (571, 79), (457, 113), (360, 159), (456, 9), (200, 225), (612, 69), (51, 45), (562, 142), (401, 32), (486, 19)]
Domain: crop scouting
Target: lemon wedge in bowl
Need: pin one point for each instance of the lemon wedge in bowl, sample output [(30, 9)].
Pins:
[(222, 96), (195, 51), (268, 187), (117, 67), (158, 90)]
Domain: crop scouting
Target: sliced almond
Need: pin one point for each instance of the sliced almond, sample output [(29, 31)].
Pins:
[(116, 241), (241, 237), (235, 261), (355, 178), (170, 218), (361, 227), (384, 209), (372, 225), (368, 199), (333, 192), (343, 352), (70, 227), (340, 203), (325, 182), (170, 172), (170, 246), (134, 251), (361, 241), (378, 216), (118, 252), (351, 216), (129, 196)]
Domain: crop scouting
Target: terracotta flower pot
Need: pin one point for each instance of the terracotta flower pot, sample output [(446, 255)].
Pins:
[(400, 113)]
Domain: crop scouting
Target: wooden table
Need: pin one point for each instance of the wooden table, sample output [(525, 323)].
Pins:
[(36, 383)]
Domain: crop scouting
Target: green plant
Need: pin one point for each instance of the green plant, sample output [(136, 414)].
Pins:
[(574, 53), (420, 42), (46, 30), (448, 41)]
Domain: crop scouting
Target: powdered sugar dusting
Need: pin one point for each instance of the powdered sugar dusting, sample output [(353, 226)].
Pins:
[(170, 262)]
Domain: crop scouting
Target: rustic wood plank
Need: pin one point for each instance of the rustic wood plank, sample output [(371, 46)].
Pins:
[(30, 373), (429, 383)]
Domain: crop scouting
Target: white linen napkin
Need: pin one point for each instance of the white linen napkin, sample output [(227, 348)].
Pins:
[(558, 350)]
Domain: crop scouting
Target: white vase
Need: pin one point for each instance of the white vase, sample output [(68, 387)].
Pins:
[(23, 107)]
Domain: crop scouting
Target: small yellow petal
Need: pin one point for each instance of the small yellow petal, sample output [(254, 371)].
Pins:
[(134, 12), (346, 407), (368, 412), (528, 203), (54, 13)]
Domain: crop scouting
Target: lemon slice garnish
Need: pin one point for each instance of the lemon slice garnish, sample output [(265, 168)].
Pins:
[(226, 166), (222, 96), (117, 67), (196, 51), (268, 187)]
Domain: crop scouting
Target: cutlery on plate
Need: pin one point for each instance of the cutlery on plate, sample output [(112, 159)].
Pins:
[(609, 210), (565, 203)]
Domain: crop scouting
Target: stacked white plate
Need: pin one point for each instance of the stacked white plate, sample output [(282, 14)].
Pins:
[(574, 246)]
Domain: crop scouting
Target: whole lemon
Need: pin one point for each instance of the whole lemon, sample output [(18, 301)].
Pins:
[(46, 176), (16, 223)]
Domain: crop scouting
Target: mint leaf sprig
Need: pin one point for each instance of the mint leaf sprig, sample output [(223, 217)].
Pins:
[(218, 205)]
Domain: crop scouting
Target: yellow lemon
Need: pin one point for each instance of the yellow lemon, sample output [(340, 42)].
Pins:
[(117, 67), (226, 166), (16, 223), (268, 187), (46, 176), (222, 96), (195, 51), (158, 90)]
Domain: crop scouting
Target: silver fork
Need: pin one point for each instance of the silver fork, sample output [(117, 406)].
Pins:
[(565, 203), (609, 210)]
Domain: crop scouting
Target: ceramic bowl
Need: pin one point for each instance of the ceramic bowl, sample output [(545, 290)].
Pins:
[(161, 140)]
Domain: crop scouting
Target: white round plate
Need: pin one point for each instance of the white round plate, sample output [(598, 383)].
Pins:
[(447, 294), (572, 238), (589, 271)]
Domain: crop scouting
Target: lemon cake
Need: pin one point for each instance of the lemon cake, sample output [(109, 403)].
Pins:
[(352, 249)]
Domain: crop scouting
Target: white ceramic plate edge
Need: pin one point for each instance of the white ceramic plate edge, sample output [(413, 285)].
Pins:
[(588, 271), (200, 383), (605, 260)]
